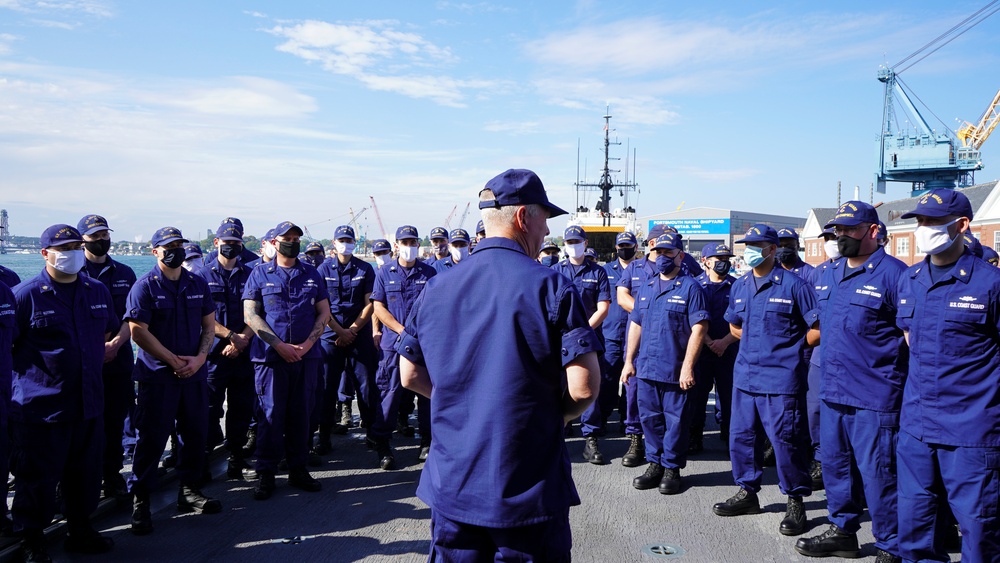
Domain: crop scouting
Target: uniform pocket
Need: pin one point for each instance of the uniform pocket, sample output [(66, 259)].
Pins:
[(991, 485), (863, 313), (888, 436), (778, 319)]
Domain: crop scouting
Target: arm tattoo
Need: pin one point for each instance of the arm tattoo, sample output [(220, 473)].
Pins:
[(317, 331), (251, 313), (207, 337)]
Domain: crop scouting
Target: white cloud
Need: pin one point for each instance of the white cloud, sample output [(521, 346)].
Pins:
[(379, 56), (473, 8), (247, 96), (96, 8), (512, 127), (6, 40)]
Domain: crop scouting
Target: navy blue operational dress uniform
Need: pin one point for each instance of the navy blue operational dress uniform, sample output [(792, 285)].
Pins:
[(119, 391), (397, 286), (498, 478), (770, 310), (591, 281), (549, 254), (8, 277), (614, 327), (348, 348), (247, 256), (788, 254), (949, 440), (864, 367), (230, 374), (715, 365), (669, 322), (458, 250), (439, 246), (61, 323), (172, 317), (382, 251), (287, 304), (7, 311)]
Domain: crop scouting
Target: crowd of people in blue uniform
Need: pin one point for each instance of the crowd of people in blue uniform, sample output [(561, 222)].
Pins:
[(894, 371)]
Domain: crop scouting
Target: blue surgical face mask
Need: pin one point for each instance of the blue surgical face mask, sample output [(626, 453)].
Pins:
[(753, 256), (665, 264), (550, 260)]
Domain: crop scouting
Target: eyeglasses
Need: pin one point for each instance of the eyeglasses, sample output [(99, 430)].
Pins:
[(838, 230)]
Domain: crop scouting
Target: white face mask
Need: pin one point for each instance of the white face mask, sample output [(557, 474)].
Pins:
[(576, 250), (269, 251), (381, 259), (831, 249), (344, 248), (68, 261), (934, 240), (459, 253), (408, 253)]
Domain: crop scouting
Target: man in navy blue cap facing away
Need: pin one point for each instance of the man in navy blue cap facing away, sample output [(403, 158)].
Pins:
[(592, 282), (776, 309), (287, 305), (230, 374), (397, 286), (498, 477), (172, 318), (949, 439), (61, 322), (668, 325), (863, 369), (119, 391)]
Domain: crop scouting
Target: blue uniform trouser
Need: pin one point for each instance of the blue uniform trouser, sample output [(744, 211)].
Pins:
[(782, 419), (157, 406), (666, 422), (390, 394), (230, 381), (119, 399), (456, 542), (347, 367), (286, 393), (4, 441), (598, 412), (967, 478), (714, 371), (633, 424), (46, 453), (813, 415), (861, 441)]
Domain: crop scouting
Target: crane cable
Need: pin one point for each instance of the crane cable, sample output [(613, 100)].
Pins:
[(975, 18)]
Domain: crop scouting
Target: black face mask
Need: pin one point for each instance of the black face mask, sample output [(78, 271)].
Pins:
[(721, 267), (289, 249), (172, 257), (787, 256), (848, 246), (98, 247), (626, 253), (230, 251), (316, 260)]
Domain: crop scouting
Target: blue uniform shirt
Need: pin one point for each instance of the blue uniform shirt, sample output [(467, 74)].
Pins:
[(58, 349), (666, 310), (226, 288), (7, 326), (863, 364), (397, 289), (289, 297), (446, 264), (347, 284), (952, 392), (119, 279), (774, 320), (803, 270), (173, 312), (503, 393), (717, 301), (8, 277), (617, 320), (590, 280)]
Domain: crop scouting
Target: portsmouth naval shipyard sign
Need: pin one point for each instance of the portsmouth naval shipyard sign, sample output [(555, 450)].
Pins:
[(695, 226)]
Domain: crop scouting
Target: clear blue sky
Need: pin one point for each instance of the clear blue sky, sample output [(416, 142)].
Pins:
[(181, 113)]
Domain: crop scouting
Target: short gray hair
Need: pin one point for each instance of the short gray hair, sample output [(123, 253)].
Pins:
[(499, 218)]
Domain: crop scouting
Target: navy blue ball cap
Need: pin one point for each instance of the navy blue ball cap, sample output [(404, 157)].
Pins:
[(233, 220), (438, 232), (344, 231), (229, 232), (852, 214), (882, 231), (314, 247), (656, 232), (167, 235), (973, 243), (549, 245), (459, 235), (519, 187), (59, 234), (668, 241), (406, 231), (760, 233), (381, 245), (192, 250), (941, 203), (91, 224), (990, 254), (716, 249), (625, 238), (590, 253), (574, 232), (829, 231), (788, 233), (269, 235), (286, 227), (480, 228)]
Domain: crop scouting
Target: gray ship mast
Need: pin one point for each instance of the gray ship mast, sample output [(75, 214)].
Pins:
[(605, 185)]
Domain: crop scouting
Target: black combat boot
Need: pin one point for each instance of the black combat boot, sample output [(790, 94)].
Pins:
[(651, 478), (591, 452), (265, 486), (743, 502), (142, 520), (833, 542), (794, 522), (636, 454), (671, 482), (190, 499)]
